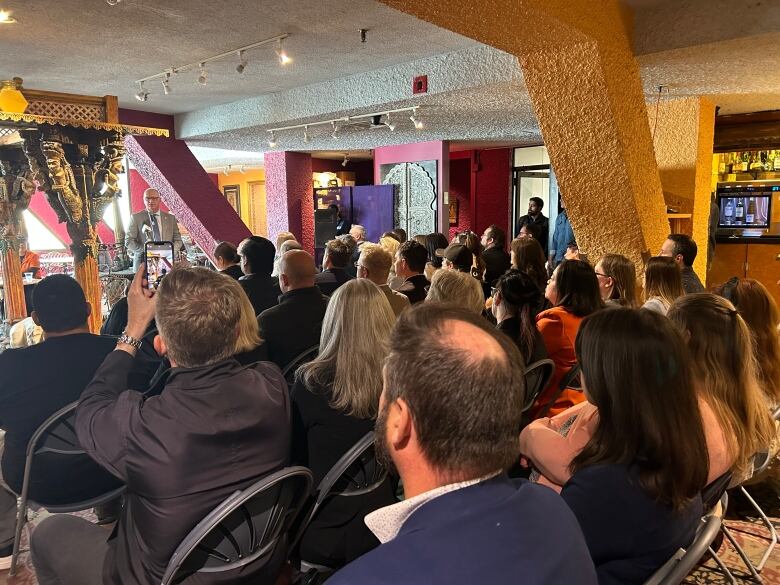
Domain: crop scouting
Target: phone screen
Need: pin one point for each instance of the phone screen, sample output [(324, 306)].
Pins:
[(159, 262)]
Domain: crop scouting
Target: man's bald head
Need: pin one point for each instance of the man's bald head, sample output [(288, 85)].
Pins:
[(463, 382), (152, 200), (296, 270)]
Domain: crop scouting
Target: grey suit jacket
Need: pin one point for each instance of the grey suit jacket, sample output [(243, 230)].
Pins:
[(136, 236)]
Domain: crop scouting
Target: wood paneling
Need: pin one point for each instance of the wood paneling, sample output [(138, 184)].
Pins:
[(762, 265), (729, 261)]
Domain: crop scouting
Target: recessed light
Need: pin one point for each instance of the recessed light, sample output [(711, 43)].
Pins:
[(6, 18)]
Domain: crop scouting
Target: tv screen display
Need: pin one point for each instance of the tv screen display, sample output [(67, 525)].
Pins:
[(743, 209)]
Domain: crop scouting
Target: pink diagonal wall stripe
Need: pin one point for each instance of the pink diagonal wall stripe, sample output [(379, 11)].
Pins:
[(289, 196)]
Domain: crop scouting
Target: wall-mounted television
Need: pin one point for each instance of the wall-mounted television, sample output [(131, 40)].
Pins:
[(748, 207)]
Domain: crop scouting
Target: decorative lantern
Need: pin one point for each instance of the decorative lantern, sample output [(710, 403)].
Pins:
[(11, 98)]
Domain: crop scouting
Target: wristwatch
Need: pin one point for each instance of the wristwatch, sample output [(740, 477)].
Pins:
[(126, 339)]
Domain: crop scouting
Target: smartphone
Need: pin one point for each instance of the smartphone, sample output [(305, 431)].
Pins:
[(158, 257)]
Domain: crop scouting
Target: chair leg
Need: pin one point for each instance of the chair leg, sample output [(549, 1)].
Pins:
[(768, 524), (722, 567), (21, 517), (742, 554)]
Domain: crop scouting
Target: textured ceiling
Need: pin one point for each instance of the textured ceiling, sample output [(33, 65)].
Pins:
[(90, 47)]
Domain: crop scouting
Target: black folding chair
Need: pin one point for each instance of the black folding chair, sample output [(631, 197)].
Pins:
[(305, 356), (570, 380), (684, 560), (247, 533), (56, 435), (537, 376), (357, 473)]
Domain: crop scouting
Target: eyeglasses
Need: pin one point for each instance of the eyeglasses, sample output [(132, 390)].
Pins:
[(600, 274), (358, 265), (493, 291)]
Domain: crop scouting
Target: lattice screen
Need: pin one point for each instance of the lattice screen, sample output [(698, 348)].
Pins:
[(70, 111)]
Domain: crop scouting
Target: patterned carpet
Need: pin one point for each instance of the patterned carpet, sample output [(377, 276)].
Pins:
[(741, 520)]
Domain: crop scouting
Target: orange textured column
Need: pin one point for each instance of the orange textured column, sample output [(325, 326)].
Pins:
[(587, 95), (89, 279), (13, 289)]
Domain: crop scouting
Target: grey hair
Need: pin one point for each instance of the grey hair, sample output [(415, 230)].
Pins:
[(353, 345), (457, 288), (361, 229)]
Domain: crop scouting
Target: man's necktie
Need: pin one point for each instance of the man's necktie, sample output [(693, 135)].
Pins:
[(155, 227)]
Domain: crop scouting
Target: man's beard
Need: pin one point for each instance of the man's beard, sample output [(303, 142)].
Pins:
[(380, 442)]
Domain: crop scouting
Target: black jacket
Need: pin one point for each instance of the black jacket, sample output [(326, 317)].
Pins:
[(294, 325), (263, 291), (233, 271), (213, 430), (415, 287), (332, 278), (496, 263)]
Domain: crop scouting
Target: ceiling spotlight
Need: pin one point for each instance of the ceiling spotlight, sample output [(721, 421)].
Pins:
[(202, 78), (417, 123), (226, 171), (143, 93), (284, 58), (166, 84), (113, 2), (389, 123), (306, 135), (346, 160), (6, 18), (272, 141), (242, 63), (335, 133)]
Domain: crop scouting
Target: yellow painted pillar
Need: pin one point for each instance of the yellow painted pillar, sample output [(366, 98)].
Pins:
[(684, 132), (586, 92)]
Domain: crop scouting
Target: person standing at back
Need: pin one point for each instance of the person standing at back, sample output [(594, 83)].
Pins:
[(227, 260), (448, 420), (683, 249), (374, 264), (334, 264), (537, 219), (562, 237), (410, 265), (494, 257), (294, 325), (257, 263), (217, 427)]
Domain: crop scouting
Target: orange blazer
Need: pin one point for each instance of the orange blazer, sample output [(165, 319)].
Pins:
[(29, 261), (559, 330)]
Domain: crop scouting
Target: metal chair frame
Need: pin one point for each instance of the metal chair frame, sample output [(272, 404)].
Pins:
[(299, 360), (60, 428), (260, 546), (541, 384)]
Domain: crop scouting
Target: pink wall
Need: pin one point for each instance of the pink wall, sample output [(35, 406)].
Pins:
[(493, 177), (460, 189), (437, 150), (289, 198), (138, 185)]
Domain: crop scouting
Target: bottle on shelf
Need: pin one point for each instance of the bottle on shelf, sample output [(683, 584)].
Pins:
[(766, 161), (739, 212), (728, 211), (755, 162), (722, 164), (776, 161), (750, 216)]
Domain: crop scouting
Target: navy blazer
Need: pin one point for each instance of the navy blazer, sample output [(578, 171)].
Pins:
[(497, 531)]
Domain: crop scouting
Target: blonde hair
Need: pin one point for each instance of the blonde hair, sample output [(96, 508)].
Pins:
[(390, 244), (723, 362), (282, 237), (248, 330), (353, 346), (457, 288), (377, 261)]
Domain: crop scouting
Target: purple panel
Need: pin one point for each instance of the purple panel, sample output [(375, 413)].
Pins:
[(372, 207)]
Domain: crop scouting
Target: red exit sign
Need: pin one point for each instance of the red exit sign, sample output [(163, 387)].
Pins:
[(420, 84)]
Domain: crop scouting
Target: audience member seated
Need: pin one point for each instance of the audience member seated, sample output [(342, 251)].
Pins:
[(281, 238), (516, 303), (389, 241), (448, 420), (457, 288), (359, 234), (334, 404), (400, 234), (617, 281), (683, 250), (528, 257), (635, 485), (662, 284), (334, 264), (374, 264), (724, 369), (472, 242), (759, 310), (37, 381), (257, 263), (216, 428), (530, 232), (433, 242), (286, 246), (227, 260), (352, 245), (456, 257), (29, 260), (410, 264), (294, 325), (573, 291), (494, 257), (25, 333)]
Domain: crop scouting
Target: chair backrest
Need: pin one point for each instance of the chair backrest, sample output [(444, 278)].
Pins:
[(307, 355), (537, 376), (682, 562), (357, 473), (57, 434), (247, 528)]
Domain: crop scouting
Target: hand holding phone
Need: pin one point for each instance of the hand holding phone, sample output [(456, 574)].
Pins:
[(158, 257)]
